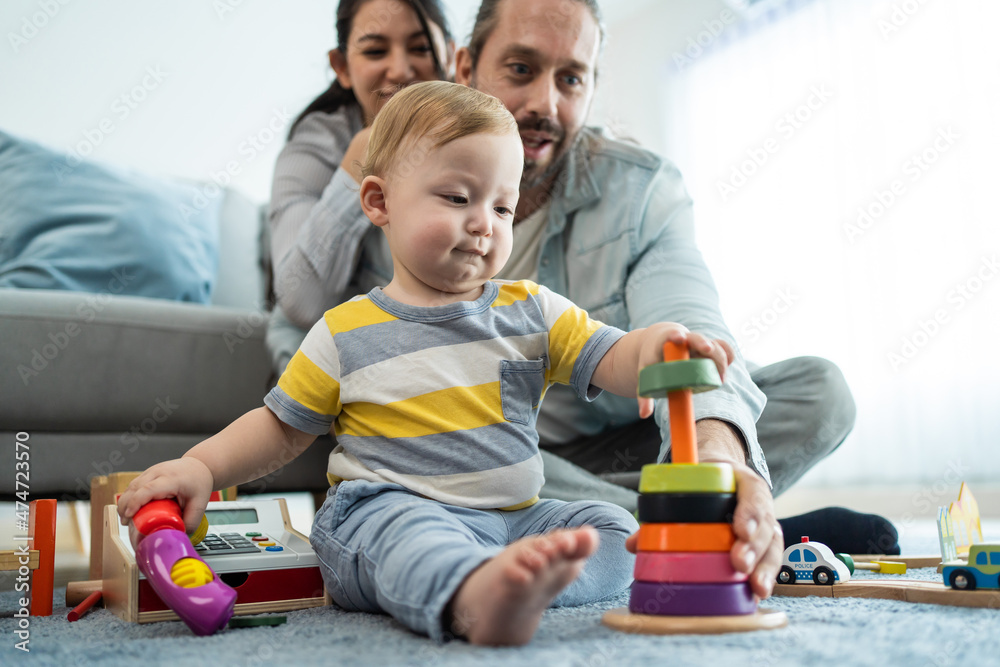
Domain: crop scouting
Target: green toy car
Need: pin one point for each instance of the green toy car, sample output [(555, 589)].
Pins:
[(982, 570)]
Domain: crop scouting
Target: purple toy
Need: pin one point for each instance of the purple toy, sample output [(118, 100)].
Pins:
[(660, 599), (205, 609)]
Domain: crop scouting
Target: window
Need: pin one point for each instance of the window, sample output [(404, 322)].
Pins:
[(844, 170), (981, 558), (810, 556), (795, 556), (995, 558)]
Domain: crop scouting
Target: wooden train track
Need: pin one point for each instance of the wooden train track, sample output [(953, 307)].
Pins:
[(904, 590)]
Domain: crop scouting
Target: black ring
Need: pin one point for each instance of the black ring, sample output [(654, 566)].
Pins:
[(686, 507)]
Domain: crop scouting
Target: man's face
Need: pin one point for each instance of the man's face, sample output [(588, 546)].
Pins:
[(540, 61)]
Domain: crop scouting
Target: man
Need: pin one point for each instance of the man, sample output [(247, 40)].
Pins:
[(610, 226)]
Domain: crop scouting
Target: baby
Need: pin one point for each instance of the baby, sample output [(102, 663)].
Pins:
[(431, 386)]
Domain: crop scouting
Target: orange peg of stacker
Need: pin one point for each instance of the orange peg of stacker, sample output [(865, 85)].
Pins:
[(683, 441)]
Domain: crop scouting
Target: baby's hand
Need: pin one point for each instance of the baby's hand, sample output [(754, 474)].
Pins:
[(187, 479), (698, 345)]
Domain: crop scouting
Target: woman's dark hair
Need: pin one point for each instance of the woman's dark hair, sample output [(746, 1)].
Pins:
[(336, 96)]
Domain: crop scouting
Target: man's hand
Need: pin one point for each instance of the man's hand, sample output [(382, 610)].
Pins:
[(759, 541)]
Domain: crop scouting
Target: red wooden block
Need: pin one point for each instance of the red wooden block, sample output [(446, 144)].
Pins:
[(42, 528)]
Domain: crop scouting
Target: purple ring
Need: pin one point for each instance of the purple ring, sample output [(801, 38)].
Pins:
[(659, 599)]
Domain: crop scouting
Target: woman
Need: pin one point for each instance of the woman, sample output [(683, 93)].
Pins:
[(319, 234)]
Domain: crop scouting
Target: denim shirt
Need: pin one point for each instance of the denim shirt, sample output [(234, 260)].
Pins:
[(620, 244)]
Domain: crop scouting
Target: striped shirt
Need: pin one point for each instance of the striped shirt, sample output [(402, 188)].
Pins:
[(441, 400)]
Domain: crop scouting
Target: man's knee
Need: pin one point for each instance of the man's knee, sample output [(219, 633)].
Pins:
[(834, 411), (824, 417)]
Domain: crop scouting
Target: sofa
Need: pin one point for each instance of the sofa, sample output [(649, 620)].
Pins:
[(100, 375)]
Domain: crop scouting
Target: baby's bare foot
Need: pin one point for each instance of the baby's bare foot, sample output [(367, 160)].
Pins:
[(501, 602)]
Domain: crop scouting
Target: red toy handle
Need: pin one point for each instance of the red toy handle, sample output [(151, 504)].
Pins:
[(153, 516)]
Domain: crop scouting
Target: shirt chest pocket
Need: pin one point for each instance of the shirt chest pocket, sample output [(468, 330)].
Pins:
[(522, 382)]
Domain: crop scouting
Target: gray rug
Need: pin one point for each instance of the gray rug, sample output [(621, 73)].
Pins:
[(821, 632)]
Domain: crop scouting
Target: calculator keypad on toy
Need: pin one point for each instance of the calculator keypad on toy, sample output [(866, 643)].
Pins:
[(225, 544)]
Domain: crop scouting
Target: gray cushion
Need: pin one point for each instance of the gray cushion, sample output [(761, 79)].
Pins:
[(63, 464), (84, 363)]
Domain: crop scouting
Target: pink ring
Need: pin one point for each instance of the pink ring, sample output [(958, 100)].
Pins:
[(686, 567)]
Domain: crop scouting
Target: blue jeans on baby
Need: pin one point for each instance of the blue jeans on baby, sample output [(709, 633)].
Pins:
[(384, 549)]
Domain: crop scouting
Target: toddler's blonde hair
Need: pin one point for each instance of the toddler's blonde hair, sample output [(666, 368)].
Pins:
[(438, 109)]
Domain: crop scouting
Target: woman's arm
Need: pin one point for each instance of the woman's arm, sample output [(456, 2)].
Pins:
[(317, 224)]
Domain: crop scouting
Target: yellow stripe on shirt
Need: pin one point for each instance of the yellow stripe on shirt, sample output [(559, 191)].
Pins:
[(306, 382), (512, 292), (444, 411), (354, 314), (566, 338)]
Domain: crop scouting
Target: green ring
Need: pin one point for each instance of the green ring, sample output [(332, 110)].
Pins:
[(698, 375), (687, 478)]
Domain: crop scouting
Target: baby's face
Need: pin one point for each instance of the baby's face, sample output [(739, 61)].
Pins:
[(451, 210)]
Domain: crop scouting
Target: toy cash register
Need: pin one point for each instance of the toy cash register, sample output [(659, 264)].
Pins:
[(251, 546)]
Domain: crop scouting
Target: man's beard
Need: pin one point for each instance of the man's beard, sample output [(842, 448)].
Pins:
[(531, 178)]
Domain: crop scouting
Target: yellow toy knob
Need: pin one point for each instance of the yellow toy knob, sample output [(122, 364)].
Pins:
[(200, 532), (191, 573)]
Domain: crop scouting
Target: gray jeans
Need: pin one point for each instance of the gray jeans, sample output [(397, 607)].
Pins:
[(809, 412)]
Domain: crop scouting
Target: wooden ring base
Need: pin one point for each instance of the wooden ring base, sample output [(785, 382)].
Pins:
[(623, 620)]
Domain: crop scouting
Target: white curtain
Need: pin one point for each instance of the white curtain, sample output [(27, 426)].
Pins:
[(844, 159)]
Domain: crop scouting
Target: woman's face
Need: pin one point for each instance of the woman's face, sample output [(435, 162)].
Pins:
[(386, 50)]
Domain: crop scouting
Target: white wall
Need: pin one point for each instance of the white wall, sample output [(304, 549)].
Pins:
[(639, 45), (185, 88), (927, 402), (191, 87)]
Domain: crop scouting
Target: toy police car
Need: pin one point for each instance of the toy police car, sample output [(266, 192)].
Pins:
[(812, 561)]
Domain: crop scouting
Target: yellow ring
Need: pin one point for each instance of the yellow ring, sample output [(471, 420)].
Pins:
[(687, 478)]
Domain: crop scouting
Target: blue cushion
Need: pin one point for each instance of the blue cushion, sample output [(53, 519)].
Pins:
[(76, 225)]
